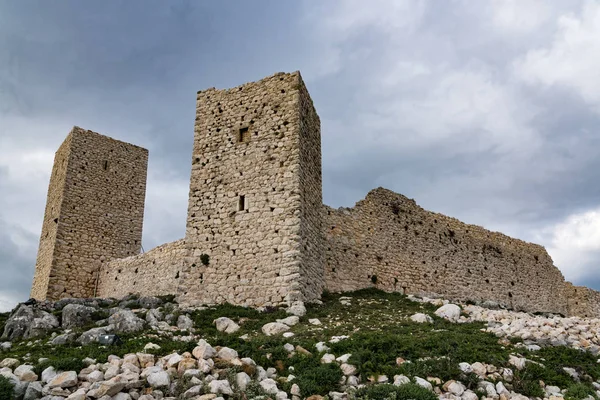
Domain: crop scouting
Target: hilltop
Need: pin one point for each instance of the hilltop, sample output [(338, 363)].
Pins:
[(361, 345)]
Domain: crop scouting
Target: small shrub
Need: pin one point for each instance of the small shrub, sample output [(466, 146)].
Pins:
[(99, 315), (204, 259), (579, 391), (391, 392), (61, 364), (6, 388), (315, 378)]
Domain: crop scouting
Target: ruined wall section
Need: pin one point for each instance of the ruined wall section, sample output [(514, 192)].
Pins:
[(153, 273), (311, 199), (583, 301), (388, 241), (45, 256), (101, 213), (245, 197)]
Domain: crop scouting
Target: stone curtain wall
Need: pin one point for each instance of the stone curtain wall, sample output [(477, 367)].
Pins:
[(311, 199), (246, 195), (389, 242), (100, 213), (583, 301), (155, 272), (45, 256)]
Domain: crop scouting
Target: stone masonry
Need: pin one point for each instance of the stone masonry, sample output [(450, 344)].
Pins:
[(94, 213), (388, 241), (257, 232), (255, 196)]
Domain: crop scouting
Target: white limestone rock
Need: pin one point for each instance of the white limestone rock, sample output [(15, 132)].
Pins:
[(25, 373), (185, 323), (220, 387), (400, 380), (423, 383), (227, 354), (226, 325), (289, 321), (242, 380), (274, 328), (451, 312), (204, 350), (297, 308), (159, 379), (421, 318), (269, 386), (64, 380)]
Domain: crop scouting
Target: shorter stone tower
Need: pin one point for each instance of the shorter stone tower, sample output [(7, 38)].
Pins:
[(255, 198), (94, 213)]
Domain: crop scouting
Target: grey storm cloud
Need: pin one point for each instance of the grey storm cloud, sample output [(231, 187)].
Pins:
[(483, 111)]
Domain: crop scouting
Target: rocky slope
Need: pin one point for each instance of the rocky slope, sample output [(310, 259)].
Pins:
[(362, 345)]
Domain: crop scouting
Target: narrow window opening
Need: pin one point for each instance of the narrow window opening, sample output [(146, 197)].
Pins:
[(242, 203), (243, 135), (105, 165)]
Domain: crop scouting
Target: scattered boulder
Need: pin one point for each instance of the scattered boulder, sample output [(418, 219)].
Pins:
[(289, 321), (184, 322), (421, 318), (25, 373), (27, 322), (91, 336), (297, 308), (274, 328), (220, 387), (159, 379), (154, 316), (451, 312), (125, 321), (423, 383), (76, 315), (64, 380), (149, 302), (227, 354), (204, 350), (226, 325)]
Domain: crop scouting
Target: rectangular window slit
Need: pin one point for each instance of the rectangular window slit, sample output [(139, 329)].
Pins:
[(243, 135), (242, 203)]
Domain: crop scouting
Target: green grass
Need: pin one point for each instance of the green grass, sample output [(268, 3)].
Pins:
[(379, 331), (579, 391), (391, 392), (6, 389)]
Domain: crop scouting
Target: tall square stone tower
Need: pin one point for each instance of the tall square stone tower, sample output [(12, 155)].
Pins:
[(255, 198), (94, 213)]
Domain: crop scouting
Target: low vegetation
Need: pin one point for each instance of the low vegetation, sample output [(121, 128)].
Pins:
[(375, 329)]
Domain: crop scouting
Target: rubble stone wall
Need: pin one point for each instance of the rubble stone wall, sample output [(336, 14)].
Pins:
[(45, 256), (388, 241), (96, 204), (583, 301), (155, 272), (250, 184)]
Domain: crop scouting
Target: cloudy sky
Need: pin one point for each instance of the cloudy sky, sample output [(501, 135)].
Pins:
[(487, 111)]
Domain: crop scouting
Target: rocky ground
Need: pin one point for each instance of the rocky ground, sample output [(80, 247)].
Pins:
[(362, 345)]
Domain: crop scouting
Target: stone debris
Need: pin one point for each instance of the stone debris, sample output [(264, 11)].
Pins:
[(142, 376)]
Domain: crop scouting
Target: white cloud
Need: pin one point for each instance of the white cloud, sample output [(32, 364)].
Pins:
[(166, 210), (8, 300), (572, 60), (469, 106), (519, 16), (574, 243)]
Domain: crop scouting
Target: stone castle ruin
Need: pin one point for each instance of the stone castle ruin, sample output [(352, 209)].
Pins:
[(257, 232)]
